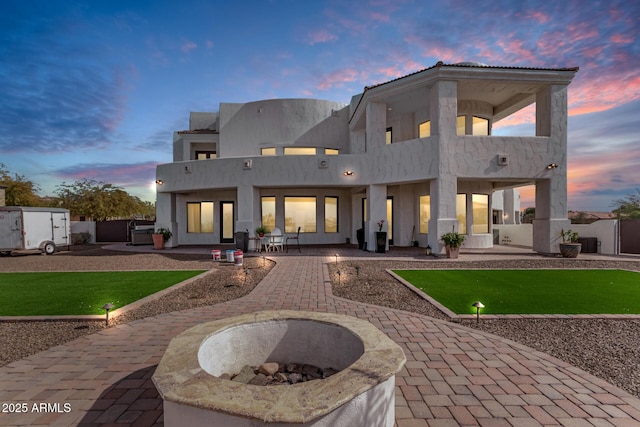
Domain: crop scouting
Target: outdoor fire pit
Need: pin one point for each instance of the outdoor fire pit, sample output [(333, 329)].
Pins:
[(361, 393)]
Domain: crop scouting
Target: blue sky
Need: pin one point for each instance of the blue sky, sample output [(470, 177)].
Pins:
[(95, 89)]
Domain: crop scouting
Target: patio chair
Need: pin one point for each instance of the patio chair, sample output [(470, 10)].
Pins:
[(275, 240), (296, 238)]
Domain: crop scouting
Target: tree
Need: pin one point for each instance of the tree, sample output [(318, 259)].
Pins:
[(528, 215), (100, 200), (628, 208), (20, 191)]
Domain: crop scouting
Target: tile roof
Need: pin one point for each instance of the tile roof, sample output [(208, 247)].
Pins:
[(197, 131), (440, 64)]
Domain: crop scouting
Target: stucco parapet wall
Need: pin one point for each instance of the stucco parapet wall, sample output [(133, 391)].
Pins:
[(180, 378), (405, 161)]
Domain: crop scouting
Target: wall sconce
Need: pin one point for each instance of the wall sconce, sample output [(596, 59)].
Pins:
[(552, 166), (348, 173), (108, 306), (159, 181), (478, 305)]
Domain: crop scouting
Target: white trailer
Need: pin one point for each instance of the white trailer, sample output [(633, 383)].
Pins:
[(27, 228)]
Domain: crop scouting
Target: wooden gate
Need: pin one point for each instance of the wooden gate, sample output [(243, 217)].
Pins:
[(630, 236)]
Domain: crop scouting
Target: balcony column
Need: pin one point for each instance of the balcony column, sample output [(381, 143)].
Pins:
[(551, 191)]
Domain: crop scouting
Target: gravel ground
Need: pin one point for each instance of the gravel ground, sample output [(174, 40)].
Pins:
[(21, 339), (607, 348)]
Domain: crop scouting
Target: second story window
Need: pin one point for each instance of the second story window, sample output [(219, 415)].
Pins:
[(203, 155), (424, 129), (299, 151), (388, 136)]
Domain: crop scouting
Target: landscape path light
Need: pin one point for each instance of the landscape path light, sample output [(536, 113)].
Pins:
[(478, 305), (428, 252), (108, 306)]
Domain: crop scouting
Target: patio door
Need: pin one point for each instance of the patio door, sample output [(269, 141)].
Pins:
[(227, 222)]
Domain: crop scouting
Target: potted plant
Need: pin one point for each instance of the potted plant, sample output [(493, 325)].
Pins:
[(260, 231), (452, 242), (381, 238), (569, 248), (160, 236)]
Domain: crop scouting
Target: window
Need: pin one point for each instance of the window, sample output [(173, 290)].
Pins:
[(270, 151), (331, 151), (480, 204), (425, 213), (300, 212), (388, 136), (460, 125), (330, 214), (424, 129), (299, 151), (480, 126), (268, 205), (200, 217), (461, 213), (203, 155)]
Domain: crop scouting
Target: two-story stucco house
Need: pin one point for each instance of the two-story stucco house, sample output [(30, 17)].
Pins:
[(417, 152)]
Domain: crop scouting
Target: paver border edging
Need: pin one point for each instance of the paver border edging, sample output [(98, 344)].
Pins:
[(113, 314), (454, 316)]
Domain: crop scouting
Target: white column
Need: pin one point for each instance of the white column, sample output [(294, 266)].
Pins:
[(551, 190), (443, 189), (377, 209), (248, 206), (166, 216), (376, 127)]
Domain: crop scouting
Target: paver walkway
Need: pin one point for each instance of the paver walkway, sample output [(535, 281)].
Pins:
[(454, 376)]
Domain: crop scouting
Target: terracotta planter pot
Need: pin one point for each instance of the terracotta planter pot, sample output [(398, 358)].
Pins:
[(158, 241), (452, 252), (570, 250)]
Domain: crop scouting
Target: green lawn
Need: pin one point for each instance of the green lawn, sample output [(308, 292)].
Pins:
[(531, 291), (73, 293)]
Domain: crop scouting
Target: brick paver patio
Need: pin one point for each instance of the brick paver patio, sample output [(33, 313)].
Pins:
[(454, 376)]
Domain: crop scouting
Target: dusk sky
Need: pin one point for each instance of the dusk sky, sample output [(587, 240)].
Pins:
[(95, 89)]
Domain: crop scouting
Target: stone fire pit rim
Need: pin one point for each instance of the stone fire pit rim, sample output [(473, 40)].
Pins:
[(180, 379)]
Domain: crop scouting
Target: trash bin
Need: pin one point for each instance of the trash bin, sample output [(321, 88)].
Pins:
[(242, 240)]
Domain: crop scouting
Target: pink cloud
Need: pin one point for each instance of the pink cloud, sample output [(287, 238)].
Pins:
[(538, 16), (379, 17), (621, 39), (321, 36), (188, 46), (338, 78)]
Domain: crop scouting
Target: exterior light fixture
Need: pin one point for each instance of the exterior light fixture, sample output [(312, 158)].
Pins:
[(159, 181), (478, 305), (108, 306), (357, 270), (336, 259), (246, 274), (552, 166), (264, 259), (348, 173), (428, 251)]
